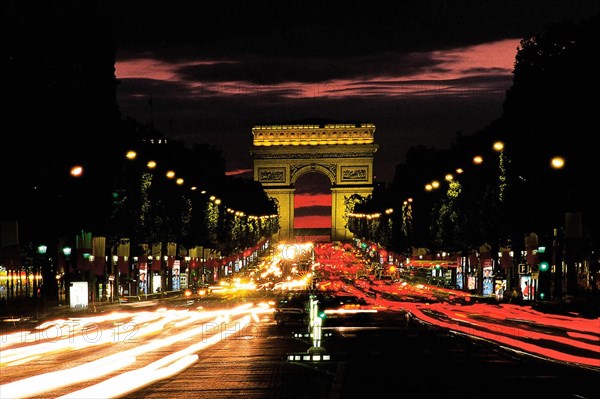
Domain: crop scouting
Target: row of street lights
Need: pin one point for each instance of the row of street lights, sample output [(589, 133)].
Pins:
[(556, 162), (78, 171)]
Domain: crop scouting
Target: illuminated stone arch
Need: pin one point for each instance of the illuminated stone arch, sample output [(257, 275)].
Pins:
[(342, 152)]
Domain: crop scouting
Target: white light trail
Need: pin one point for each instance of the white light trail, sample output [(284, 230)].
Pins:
[(164, 368), (209, 333)]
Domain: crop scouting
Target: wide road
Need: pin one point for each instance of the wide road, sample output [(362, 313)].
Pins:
[(183, 351), (372, 356)]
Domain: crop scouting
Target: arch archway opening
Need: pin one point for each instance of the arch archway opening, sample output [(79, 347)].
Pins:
[(312, 207)]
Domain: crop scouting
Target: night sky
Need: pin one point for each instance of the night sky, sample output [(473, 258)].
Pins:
[(421, 71)]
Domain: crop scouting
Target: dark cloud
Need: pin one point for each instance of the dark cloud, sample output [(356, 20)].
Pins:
[(331, 28), (497, 71), (272, 70), (312, 211)]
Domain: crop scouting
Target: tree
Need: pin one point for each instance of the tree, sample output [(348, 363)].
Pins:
[(547, 112)]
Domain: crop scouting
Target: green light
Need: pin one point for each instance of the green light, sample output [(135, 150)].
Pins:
[(322, 315), (544, 266), (542, 295), (541, 250)]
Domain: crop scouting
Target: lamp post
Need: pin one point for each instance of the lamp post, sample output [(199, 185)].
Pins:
[(67, 252), (41, 249), (188, 272), (166, 275), (112, 278), (564, 239), (148, 278), (60, 276), (203, 268), (37, 291), (503, 237)]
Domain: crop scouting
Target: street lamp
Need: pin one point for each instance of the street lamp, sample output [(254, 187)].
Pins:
[(557, 162), (498, 146), (76, 171), (67, 253), (187, 273), (113, 280), (42, 249), (60, 274)]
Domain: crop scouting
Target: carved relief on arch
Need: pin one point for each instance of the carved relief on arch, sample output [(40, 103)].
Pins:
[(328, 169)]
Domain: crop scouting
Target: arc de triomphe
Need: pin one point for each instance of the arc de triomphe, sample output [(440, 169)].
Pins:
[(342, 152)]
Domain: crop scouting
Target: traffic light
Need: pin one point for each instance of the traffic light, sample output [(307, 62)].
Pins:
[(543, 256), (544, 273)]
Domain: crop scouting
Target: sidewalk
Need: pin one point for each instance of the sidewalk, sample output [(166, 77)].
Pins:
[(27, 313), (588, 306)]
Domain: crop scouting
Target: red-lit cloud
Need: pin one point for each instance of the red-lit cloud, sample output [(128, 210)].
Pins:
[(312, 222), (238, 172), (442, 72), (312, 200)]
